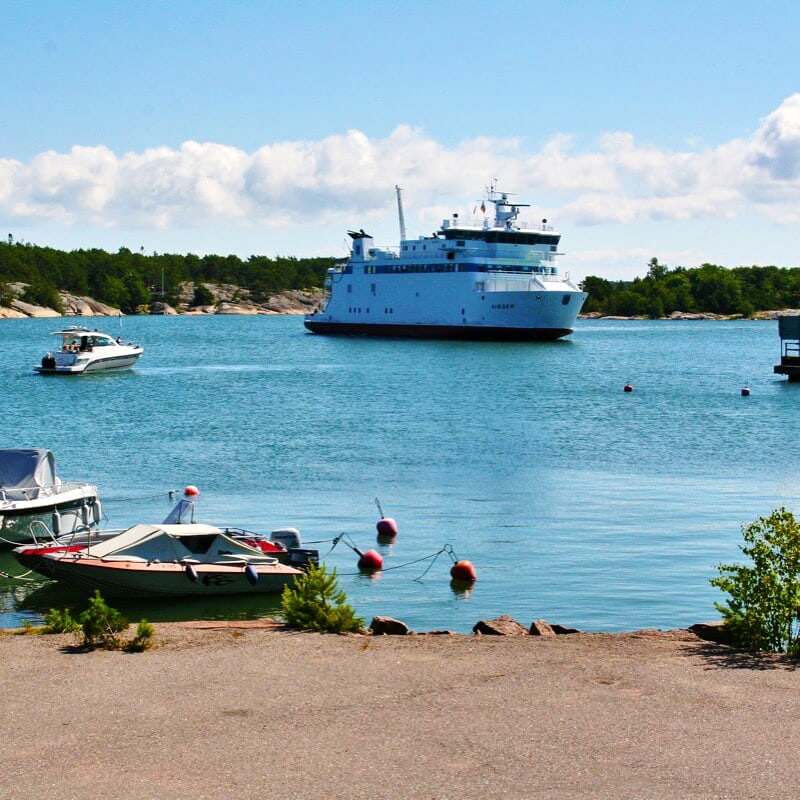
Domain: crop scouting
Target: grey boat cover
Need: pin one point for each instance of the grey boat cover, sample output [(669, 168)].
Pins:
[(27, 469)]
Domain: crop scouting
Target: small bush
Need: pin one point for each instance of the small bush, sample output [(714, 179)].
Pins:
[(101, 624), (56, 621), (315, 602), (202, 296), (764, 601), (143, 639)]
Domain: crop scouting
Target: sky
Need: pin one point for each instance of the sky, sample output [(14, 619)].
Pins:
[(637, 129)]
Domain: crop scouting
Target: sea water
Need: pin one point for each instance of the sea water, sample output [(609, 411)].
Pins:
[(575, 501)]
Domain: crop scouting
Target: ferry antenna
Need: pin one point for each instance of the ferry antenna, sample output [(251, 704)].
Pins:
[(400, 214)]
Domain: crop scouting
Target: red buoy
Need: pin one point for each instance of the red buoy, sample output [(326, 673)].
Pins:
[(463, 571), (628, 387), (369, 561), (191, 491), (387, 528)]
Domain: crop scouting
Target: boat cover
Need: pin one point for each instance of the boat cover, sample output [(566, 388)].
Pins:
[(27, 469)]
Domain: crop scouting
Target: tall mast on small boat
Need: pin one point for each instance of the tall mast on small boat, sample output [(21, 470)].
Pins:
[(400, 214)]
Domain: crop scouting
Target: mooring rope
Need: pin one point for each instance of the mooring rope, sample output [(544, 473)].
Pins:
[(446, 548)]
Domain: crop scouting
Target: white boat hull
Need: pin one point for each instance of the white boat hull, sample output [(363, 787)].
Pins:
[(72, 366), (74, 507)]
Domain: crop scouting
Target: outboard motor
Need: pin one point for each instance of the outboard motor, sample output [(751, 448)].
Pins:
[(299, 557), (49, 361), (286, 537)]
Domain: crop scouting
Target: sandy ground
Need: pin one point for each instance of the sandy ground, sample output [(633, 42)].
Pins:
[(247, 712)]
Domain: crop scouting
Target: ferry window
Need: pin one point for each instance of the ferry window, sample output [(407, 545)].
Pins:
[(460, 243), (349, 288), (565, 299), (552, 248), (451, 255), (372, 288)]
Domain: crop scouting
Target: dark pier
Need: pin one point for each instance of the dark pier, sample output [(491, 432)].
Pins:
[(789, 331)]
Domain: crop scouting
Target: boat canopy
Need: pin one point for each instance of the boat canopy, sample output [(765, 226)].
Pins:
[(174, 543), (27, 469)]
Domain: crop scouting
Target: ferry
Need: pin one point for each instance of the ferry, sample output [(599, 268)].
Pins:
[(487, 279)]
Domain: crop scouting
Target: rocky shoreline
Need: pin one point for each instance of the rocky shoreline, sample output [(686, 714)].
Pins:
[(227, 299), (699, 316)]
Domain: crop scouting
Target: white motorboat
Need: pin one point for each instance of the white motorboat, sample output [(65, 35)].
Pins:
[(84, 351), (283, 544), (479, 279), (31, 490), (168, 560)]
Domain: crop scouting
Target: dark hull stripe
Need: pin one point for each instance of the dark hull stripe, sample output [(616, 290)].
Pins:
[(473, 332)]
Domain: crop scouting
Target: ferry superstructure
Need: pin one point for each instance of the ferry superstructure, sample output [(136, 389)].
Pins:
[(488, 279)]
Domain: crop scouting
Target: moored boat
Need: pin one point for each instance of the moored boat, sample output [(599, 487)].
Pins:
[(31, 490), (484, 279), (168, 561), (83, 351)]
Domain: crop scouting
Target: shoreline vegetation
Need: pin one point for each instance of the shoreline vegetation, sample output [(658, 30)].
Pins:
[(44, 282)]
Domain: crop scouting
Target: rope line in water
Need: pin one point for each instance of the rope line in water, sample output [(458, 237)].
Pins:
[(433, 556), (170, 495)]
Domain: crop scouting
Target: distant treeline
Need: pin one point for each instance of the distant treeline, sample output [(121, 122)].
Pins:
[(709, 288), (127, 280)]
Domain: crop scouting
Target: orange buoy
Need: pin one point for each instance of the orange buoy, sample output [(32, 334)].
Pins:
[(628, 387), (191, 491), (463, 571), (370, 561)]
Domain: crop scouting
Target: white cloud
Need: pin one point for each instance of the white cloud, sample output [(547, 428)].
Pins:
[(346, 178)]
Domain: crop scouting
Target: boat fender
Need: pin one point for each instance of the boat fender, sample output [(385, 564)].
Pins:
[(97, 511), (191, 573), (370, 561), (251, 573), (56, 522), (85, 514), (464, 572)]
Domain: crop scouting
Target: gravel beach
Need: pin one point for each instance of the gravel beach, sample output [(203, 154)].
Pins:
[(242, 711)]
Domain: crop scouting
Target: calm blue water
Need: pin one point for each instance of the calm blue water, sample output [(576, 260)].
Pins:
[(575, 501)]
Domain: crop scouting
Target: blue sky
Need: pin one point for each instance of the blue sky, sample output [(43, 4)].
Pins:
[(639, 129)]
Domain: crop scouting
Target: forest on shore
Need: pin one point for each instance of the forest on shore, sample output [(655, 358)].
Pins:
[(705, 289), (128, 280)]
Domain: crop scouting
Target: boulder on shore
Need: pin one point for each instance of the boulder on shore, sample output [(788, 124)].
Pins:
[(503, 625), (388, 626)]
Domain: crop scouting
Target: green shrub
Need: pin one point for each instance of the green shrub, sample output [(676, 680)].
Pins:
[(42, 293), (56, 621), (101, 624), (764, 599), (143, 639), (202, 296), (315, 602)]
